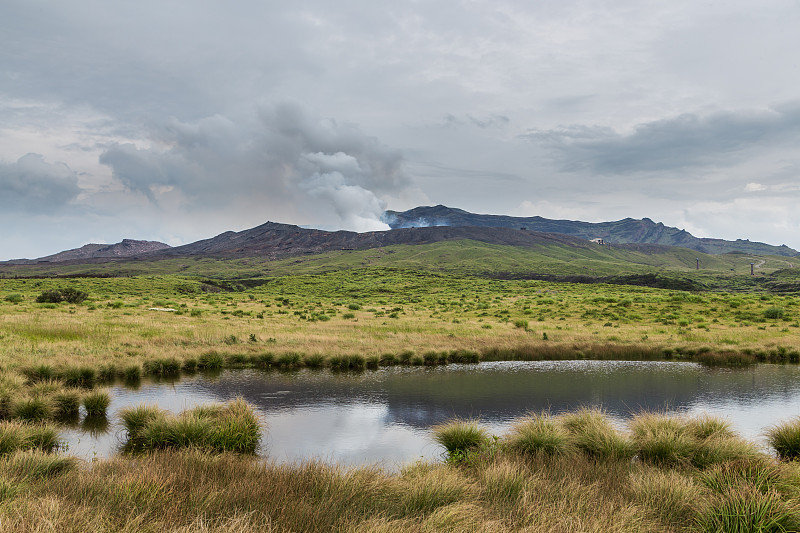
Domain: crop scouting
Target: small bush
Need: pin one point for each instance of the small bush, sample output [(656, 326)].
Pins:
[(14, 298), (774, 312), (67, 294)]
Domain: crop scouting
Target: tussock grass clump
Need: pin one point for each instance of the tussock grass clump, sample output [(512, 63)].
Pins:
[(136, 419), (23, 436), (785, 439), (31, 409), (503, 482), (66, 403), (210, 361), (83, 376), (232, 427), (662, 440), (425, 488), (38, 373), (592, 432), (289, 361), (759, 473), (132, 374), (314, 360), (460, 436), (35, 464), (673, 441), (725, 359), (669, 495), (107, 373), (706, 426), (539, 434), (744, 508), (167, 367), (263, 360), (96, 403)]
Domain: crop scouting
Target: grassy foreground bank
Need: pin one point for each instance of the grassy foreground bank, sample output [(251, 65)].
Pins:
[(571, 473)]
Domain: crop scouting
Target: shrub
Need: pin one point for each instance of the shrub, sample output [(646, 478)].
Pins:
[(14, 298), (67, 294), (774, 312)]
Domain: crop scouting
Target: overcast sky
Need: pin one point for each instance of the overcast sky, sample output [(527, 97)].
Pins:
[(176, 120)]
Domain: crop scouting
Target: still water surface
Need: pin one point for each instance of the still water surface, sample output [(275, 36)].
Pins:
[(385, 416)]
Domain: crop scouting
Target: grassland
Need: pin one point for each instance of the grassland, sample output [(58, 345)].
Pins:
[(452, 302), (360, 318)]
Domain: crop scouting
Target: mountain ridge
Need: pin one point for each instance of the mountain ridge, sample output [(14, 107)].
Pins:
[(627, 230)]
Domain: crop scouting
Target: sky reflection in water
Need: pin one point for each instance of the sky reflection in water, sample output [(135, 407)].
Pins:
[(384, 416)]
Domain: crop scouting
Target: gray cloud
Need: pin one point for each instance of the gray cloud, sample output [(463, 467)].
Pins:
[(32, 184), (689, 140), (285, 154)]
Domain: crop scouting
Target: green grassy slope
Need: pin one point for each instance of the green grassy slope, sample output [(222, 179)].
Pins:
[(727, 271)]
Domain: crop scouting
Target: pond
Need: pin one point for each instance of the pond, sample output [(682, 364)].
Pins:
[(385, 416)]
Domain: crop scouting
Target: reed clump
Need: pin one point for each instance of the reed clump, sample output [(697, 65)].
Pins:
[(232, 427)]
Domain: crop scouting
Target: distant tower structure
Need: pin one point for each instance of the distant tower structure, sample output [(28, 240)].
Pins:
[(698, 264), (752, 271)]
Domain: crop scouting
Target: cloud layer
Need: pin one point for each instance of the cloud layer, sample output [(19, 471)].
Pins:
[(33, 185), (284, 155), (177, 121)]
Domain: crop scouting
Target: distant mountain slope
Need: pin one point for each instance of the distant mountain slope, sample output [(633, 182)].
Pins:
[(628, 230), (125, 248), (274, 241)]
